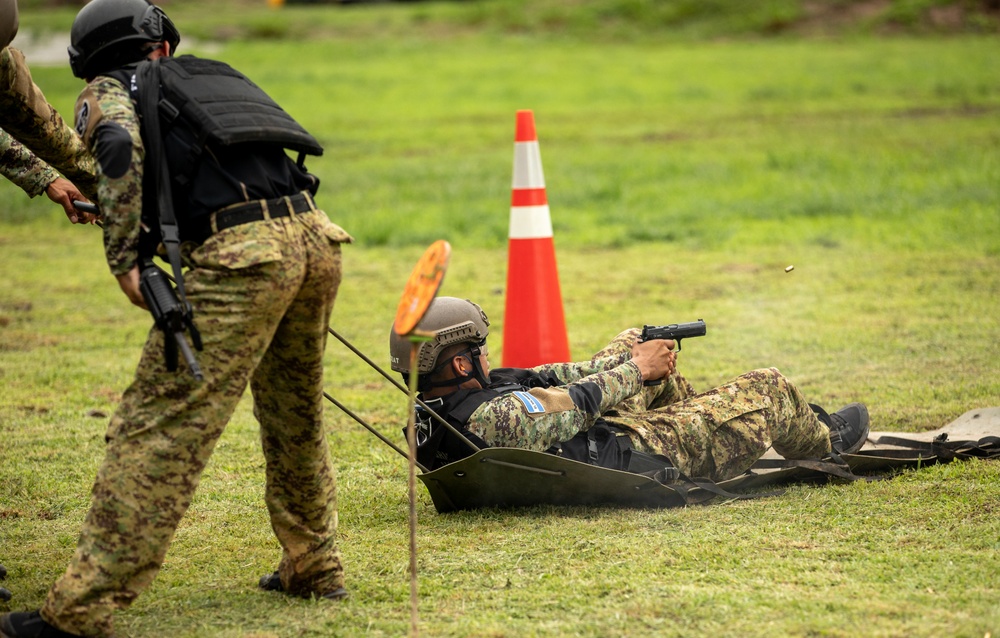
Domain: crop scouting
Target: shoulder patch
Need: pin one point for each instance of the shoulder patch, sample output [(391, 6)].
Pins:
[(82, 116), (531, 404), (88, 114), (540, 401)]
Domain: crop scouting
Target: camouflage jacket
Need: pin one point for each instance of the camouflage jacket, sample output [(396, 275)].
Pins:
[(536, 418), (24, 168), (35, 124)]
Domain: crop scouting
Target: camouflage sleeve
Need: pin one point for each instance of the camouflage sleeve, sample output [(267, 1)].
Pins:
[(569, 372), (22, 167), (537, 418), (107, 120), (31, 120)]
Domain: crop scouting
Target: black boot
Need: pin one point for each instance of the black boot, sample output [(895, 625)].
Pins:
[(848, 427), (272, 582), (28, 624), (5, 594)]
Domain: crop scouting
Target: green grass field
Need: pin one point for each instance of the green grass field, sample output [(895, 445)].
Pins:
[(687, 164)]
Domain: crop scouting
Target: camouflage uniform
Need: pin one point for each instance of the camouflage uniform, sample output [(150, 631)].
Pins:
[(21, 166), (263, 293), (31, 120), (718, 434)]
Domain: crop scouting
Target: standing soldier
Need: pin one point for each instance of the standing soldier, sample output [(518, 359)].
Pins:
[(264, 265)]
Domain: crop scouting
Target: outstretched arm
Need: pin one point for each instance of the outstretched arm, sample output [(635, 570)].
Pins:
[(64, 192), (24, 168)]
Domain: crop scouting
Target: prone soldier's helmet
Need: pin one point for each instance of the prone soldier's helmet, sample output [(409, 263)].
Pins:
[(453, 321), (108, 34)]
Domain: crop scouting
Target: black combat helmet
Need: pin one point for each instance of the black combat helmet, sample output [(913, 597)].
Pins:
[(108, 34)]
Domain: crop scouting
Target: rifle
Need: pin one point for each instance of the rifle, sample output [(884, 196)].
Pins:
[(171, 316), (675, 331)]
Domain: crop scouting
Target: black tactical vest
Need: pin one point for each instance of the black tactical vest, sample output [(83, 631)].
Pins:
[(208, 107), (221, 105), (603, 444)]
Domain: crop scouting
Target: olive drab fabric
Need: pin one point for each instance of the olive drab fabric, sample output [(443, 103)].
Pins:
[(30, 123)]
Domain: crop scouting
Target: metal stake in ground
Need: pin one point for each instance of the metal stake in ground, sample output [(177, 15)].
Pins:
[(418, 295)]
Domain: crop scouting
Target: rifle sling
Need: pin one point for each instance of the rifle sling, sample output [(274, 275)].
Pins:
[(148, 76)]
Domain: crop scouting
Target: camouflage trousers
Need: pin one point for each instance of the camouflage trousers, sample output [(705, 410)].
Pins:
[(29, 118), (263, 294), (718, 434)]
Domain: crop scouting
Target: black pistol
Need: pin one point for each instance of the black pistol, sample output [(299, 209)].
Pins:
[(675, 331), (87, 207), (172, 317)]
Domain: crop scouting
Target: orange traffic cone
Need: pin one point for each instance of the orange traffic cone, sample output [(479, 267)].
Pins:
[(534, 327)]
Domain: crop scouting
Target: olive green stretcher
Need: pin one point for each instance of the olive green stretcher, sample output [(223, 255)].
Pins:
[(508, 477)]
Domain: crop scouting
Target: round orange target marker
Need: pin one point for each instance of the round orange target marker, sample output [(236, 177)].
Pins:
[(421, 287)]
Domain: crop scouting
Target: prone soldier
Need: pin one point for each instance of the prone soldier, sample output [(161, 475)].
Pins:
[(600, 411)]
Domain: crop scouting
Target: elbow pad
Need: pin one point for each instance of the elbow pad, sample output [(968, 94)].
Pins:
[(586, 397), (113, 149)]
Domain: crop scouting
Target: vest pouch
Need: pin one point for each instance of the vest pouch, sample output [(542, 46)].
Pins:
[(601, 445), (642, 463)]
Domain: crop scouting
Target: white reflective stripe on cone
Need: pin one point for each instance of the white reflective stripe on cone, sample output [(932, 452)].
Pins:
[(530, 222), (528, 166)]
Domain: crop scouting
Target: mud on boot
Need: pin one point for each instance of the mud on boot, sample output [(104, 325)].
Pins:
[(848, 427)]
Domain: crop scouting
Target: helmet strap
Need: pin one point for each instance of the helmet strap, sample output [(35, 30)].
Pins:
[(472, 354)]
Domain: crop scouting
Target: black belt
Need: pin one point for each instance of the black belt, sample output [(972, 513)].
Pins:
[(256, 211)]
